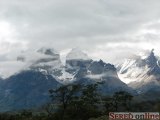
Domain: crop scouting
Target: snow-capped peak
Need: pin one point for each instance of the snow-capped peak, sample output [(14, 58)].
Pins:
[(77, 54), (48, 51)]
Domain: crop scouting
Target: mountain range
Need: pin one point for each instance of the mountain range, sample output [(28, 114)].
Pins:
[(42, 70)]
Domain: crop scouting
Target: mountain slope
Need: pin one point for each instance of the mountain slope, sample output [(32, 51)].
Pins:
[(28, 89), (100, 72), (142, 71)]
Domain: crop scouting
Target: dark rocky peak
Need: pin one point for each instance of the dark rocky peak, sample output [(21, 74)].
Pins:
[(48, 51), (101, 62), (109, 66), (151, 60), (98, 67)]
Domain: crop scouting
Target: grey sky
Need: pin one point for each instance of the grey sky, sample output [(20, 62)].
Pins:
[(107, 29)]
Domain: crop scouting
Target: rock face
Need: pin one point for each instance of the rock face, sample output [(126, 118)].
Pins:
[(28, 88), (143, 71), (98, 71)]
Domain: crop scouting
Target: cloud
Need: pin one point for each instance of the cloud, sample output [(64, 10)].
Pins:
[(108, 29)]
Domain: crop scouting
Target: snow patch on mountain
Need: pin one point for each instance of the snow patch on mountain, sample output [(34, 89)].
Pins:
[(133, 74), (127, 63), (66, 76)]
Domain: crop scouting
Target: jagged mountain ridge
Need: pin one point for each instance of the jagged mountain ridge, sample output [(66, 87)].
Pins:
[(143, 71), (87, 71), (98, 71)]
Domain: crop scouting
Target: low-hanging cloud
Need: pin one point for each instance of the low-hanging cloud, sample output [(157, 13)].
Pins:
[(104, 28)]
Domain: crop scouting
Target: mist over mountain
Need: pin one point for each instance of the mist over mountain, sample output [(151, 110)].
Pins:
[(45, 71), (41, 70)]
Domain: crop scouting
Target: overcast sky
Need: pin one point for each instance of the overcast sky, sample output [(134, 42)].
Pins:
[(107, 29)]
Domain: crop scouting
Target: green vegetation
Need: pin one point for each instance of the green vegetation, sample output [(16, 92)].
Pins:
[(77, 102)]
